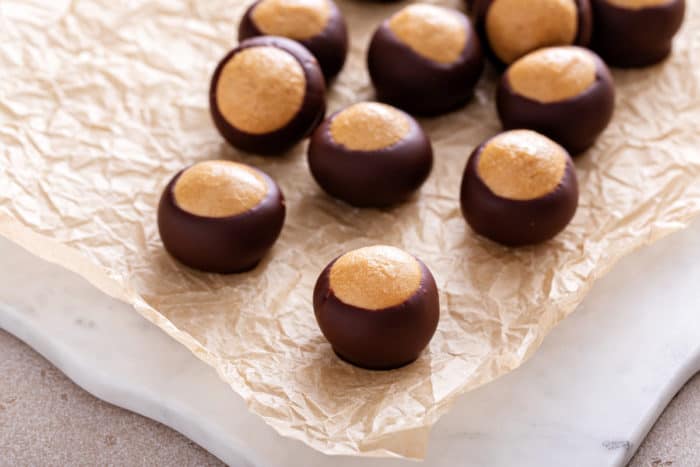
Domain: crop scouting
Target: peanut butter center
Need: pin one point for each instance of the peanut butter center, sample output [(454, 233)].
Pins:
[(369, 126), (638, 4), (295, 19), (553, 74), (516, 27), (522, 165), (436, 33), (219, 189), (375, 277), (260, 89)]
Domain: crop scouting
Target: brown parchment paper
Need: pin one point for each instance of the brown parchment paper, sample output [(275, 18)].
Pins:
[(101, 102)]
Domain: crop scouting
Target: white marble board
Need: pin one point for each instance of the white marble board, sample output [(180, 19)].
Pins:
[(587, 398)]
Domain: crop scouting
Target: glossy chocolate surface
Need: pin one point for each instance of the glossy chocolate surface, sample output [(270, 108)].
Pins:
[(310, 114), (417, 84), (221, 244), (378, 339), (330, 47), (627, 37), (575, 123), (370, 178), (584, 31), (517, 222)]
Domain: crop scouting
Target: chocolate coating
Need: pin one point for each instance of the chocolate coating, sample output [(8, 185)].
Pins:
[(480, 9), (627, 37), (375, 178), (378, 339), (307, 117), (418, 85), (330, 47), (514, 222), (221, 244), (575, 123)]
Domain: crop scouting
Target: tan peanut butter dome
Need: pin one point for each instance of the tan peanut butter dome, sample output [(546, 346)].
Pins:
[(516, 27), (375, 277), (260, 89), (369, 126), (553, 74), (219, 189), (522, 165), (638, 4), (436, 33), (296, 19)]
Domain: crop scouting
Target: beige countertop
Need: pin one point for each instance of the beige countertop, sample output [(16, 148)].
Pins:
[(45, 419)]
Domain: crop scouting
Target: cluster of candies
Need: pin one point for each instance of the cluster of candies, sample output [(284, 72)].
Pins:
[(378, 306)]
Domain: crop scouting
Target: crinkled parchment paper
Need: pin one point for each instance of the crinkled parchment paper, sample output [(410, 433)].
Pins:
[(101, 102)]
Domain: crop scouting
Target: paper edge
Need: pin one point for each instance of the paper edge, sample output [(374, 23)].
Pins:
[(71, 259)]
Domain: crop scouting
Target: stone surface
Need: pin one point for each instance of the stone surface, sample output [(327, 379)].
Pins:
[(586, 398), (46, 419), (675, 438)]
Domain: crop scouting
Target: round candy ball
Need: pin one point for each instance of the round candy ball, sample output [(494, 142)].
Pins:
[(565, 93), (513, 28), (370, 155), (636, 33), (267, 94), (220, 216), (378, 307), (519, 188), (425, 59), (317, 24)]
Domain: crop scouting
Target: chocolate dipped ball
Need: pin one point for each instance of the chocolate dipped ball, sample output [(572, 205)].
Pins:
[(565, 93), (317, 24), (377, 306), (370, 155), (220, 216), (519, 188), (513, 28), (267, 94), (636, 33), (425, 59)]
